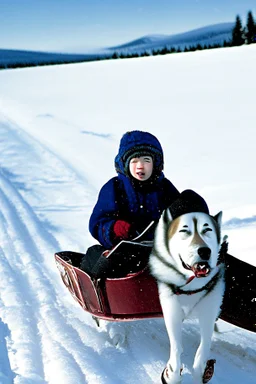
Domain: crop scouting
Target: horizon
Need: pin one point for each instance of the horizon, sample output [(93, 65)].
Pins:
[(78, 27)]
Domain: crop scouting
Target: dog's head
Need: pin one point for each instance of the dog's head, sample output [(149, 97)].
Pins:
[(193, 240)]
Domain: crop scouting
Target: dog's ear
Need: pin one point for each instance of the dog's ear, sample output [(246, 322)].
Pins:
[(167, 216), (218, 218)]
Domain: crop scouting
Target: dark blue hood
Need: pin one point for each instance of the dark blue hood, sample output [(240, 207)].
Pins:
[(136, 144)]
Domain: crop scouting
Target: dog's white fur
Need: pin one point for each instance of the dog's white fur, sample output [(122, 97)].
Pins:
[(175, 250)]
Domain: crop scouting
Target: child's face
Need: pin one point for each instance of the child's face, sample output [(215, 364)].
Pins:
[(141, 168)]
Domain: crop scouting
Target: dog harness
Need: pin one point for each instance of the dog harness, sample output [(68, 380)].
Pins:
[(208, 287)]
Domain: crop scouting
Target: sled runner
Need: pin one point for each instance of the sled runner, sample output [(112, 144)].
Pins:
[(135, 296)]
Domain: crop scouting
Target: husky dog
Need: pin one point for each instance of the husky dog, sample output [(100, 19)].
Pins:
[(190, 276)]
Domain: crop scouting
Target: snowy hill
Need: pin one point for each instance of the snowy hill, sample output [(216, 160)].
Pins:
[(210, 35), (60, 128)]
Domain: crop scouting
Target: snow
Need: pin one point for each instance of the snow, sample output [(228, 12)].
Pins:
[(60, 128)]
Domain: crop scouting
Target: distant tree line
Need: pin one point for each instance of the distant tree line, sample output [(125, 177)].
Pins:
[(38, 63), (167, 50), (240, 35)]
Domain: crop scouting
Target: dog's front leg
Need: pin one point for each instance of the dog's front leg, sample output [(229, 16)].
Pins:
[(173, 317), (204, 368), (201, 359)]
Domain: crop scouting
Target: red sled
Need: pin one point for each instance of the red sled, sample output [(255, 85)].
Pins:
[(132, 297), (135, 296)]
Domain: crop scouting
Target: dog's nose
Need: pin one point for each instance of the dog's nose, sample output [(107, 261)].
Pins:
[(204, 253)]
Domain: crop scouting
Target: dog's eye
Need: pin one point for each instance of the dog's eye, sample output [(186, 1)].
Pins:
[(206, 230)]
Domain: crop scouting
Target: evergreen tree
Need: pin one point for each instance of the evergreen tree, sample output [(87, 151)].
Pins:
[(115, 55), (238, 33), (164, 51), (226, 43), (250, 33)]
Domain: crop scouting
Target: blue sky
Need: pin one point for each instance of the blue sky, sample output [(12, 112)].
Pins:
[(76, 25)]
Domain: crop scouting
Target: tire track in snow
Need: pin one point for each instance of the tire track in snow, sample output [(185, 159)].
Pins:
[(32, 293), (16, 308)]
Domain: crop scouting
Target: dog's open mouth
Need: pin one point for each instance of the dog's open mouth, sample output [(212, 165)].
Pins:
[(200, 269)]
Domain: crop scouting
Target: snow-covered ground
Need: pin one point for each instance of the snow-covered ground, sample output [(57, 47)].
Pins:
[(60, 128)]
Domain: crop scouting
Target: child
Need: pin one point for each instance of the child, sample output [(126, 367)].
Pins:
[(129, 202)]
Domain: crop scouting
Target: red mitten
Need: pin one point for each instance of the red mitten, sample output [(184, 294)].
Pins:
[(122, 229)]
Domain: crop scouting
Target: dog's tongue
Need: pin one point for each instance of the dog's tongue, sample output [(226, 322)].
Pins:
[(201, 269)]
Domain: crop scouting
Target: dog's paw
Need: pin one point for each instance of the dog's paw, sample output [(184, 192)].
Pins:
[(170, 377), (209, 371), (205, 377)]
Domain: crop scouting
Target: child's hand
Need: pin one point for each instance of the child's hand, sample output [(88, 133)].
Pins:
[(122, 230)]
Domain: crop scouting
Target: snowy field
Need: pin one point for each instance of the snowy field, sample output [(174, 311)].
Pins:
[(60, 128)]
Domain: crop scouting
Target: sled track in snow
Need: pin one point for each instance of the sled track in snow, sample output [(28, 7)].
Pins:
[(29, 298)]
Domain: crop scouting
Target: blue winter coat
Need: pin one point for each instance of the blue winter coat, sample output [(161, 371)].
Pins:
[(138, 203)]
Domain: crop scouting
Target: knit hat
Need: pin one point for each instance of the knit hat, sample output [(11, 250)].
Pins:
[(188, 201), (139, 151), (137, 144)]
